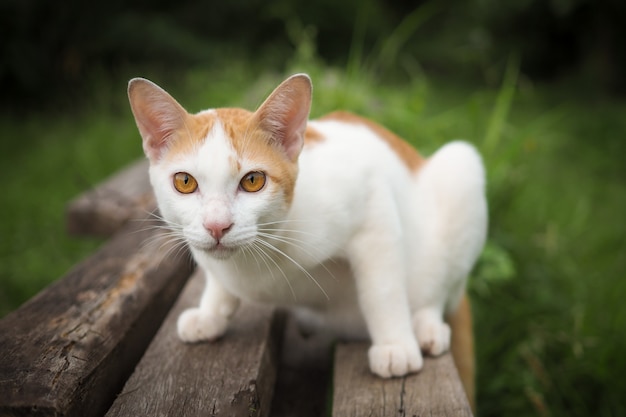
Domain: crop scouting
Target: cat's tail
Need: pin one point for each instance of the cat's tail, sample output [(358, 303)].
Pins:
[(456, 172), (454, 177)]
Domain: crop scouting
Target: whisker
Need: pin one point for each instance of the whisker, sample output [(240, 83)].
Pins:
[(264, 256), (163, 224), (296, 243), (286, 221), (302, 232), (302, 245), (297, 265), (247, 250), (168, 241)]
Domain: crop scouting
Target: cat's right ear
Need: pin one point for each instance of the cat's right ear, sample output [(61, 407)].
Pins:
[(157, 114), (285, 113)]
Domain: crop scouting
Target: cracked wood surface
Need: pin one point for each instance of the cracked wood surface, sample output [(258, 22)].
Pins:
[(233, 376), (435, 391), (68, 350)]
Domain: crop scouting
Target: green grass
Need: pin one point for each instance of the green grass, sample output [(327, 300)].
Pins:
[(548, 291), (45, 161)]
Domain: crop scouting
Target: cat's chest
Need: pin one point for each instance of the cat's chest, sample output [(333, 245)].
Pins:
[(282, 279)]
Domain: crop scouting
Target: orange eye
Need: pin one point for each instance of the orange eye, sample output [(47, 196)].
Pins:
[(185, 183), (252, 181)]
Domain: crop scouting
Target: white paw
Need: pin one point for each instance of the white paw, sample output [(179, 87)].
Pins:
[(195, 325), (432, 334), (395, 359)]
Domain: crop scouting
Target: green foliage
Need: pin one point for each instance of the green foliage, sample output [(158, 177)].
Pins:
[(543, 337)]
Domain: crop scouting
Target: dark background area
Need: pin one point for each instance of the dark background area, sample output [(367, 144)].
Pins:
[(53, 48)]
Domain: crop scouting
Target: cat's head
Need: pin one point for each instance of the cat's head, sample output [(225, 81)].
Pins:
[(221, 174)]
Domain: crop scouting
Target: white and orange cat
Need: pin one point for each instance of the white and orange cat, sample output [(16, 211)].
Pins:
[(337, 217)]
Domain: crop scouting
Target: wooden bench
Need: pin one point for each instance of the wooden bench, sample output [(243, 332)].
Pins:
[(101, 341)]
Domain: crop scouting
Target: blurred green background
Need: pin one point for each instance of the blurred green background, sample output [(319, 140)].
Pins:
[(537, 86)]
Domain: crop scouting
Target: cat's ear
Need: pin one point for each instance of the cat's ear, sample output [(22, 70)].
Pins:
[(157, 114), (285, 113)]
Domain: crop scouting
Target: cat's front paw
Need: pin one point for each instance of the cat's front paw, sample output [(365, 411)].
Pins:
[(196, 325), (432, 334), (395, 359)]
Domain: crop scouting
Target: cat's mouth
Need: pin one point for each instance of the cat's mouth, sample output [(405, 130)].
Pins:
[(216, 250), (220, 251)]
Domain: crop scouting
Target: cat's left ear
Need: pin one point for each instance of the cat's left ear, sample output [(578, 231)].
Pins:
[(285, 113), (157, 114)]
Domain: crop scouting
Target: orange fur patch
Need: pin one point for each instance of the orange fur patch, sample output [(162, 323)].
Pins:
[(195, 128), (407, 154), (312, 136), (253, 143)]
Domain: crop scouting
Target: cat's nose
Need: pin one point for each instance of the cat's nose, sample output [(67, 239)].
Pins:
[(218, 230)]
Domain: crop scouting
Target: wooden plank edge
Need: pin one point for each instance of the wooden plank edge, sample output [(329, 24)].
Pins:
[(69, 350), (104, 209), (435, 391)]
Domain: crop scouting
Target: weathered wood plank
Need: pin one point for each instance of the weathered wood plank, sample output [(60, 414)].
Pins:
[(104, 209), (435, 391), (232, 377), (68, 350)]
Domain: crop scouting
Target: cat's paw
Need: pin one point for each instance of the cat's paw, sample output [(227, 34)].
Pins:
[(432, 334), (395, 359), (196, 325)]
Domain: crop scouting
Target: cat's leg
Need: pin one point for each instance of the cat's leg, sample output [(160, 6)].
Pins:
[(430, 287), (394, 350), (433, 334), (379, 266), (210, 319)]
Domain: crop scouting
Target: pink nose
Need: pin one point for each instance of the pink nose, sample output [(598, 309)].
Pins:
[(217, 230)]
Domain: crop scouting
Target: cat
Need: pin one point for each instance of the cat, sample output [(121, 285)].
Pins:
[(337, 217)]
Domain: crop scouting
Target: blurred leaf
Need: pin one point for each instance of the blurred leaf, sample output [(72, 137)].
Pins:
[(495, 266)]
